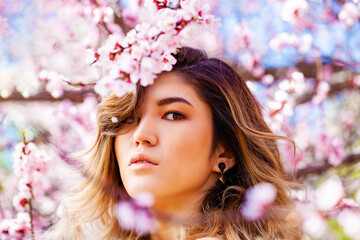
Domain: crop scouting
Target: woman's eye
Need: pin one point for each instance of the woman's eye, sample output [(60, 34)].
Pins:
[(173, 116)]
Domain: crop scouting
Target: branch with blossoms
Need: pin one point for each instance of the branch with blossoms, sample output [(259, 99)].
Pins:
[(148, 49), (30, 164)]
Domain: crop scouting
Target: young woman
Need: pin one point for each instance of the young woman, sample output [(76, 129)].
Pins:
[(196, 141)]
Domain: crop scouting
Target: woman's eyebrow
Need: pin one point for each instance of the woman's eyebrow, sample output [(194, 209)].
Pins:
[(169, 100)]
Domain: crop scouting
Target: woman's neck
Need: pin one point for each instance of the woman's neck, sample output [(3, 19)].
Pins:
[(167, 231), (174, 216)]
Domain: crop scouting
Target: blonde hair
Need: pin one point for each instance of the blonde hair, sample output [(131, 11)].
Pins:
[(238, 125)]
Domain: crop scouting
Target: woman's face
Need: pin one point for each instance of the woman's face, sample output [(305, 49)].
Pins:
[(168, 152)]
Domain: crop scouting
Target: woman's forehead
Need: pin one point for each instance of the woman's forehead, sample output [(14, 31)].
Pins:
[(170, 85)]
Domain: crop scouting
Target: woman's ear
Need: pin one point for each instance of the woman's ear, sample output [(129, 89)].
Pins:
[(225, 155)]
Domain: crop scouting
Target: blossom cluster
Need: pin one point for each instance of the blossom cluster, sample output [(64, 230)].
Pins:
[(148, 49), (29, 164)]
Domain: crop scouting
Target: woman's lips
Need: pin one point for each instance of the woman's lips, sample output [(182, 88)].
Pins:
[(140, 161)]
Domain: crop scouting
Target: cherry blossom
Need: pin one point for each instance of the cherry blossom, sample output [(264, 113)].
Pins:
[(257, 200), (147, 49), (350, 221), (135, 214), (293, 10), (349, 13), (329, 193), (300, 59), (3, 25), (314, 224)]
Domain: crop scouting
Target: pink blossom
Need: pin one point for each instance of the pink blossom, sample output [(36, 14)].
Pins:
[(104, 86), (20, 225), (282, 40), (258, 71), (349, 14), (257, 200), (103, 14), (332, 149), (306, 42), (167, 19), (329, 193), (356, 81), (350, 221), (243, 37), (3, 25), (131, 215), (91, 56), (294, 10), (146, 50), (20, 200), (55, 82), (5, 225), (321, 92), (314, 224), (120, 88), (130, 17), (28, 159), (168, 62), (267, 79)]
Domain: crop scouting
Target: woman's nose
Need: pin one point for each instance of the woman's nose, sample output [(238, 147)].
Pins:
[(144, 134)]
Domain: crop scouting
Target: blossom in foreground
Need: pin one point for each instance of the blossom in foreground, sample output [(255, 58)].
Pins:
[(30, 164), (15, 228), (257, 200), (135, 214), (148, 49)]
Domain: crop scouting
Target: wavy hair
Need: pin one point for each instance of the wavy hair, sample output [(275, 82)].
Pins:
[(238, 125)]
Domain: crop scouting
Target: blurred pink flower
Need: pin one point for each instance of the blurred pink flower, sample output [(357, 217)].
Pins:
[(20, 200), (349, 219), (329, 193), (28, 159), (356, 81), (349, 14), (294, 10), (321, 93), (283, 40), (314, 224), (267, 79), (3, 25), (15, 229), (331, 149), (21, 225), (132, 215), (257, 200)]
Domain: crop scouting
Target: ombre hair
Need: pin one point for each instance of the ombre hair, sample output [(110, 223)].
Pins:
[(238, 125)]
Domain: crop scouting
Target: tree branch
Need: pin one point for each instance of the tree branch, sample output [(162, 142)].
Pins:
[(74, 96), (353, 158), (334, 88)]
